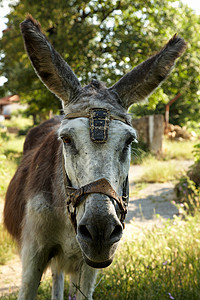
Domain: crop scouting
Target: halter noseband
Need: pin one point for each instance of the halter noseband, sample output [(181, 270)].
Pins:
[(99, 119)]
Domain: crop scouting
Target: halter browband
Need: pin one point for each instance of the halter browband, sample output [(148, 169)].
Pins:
[(99, 119)]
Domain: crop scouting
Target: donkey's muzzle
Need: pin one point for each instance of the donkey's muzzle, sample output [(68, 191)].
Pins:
[(101, 186), (98, 235)]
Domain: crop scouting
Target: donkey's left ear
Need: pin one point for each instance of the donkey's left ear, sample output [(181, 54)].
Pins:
[(146, 77)]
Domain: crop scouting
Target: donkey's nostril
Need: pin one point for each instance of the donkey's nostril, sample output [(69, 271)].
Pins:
[(116, 233), (84, 232)]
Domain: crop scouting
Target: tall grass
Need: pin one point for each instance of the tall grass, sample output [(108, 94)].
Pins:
[(11, 146), (159, 263), (180, 150), (162, 263), (7, 246), (160, 171), (10, 154), (176, 150)]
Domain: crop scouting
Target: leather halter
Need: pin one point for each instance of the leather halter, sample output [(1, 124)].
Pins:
[(101, 186), (99, 119), (99, 122)]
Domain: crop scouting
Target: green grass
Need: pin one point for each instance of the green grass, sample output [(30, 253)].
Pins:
[(11, 146), (10, 154), (156, 264), (161, 263), (159, 171), (180, 150), (7, 246), (138, 186), (19, 123)]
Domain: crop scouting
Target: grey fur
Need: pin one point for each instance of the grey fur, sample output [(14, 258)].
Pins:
[(146, 77)]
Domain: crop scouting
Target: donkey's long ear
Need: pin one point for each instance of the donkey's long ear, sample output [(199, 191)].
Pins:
[(147, 76), (48, 64)]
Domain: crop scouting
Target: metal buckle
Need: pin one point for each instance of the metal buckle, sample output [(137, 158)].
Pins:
[(99, 123)]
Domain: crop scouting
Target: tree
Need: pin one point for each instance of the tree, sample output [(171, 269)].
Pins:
[(104, 40)]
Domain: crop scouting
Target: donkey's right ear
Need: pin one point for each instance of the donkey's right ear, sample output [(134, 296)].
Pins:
[(48, 64), (146, 77)]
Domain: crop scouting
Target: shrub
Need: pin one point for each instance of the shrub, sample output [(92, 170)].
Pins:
[(188, 187), (188, 194)]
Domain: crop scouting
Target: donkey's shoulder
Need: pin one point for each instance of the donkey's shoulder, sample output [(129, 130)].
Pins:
[(37, 134)]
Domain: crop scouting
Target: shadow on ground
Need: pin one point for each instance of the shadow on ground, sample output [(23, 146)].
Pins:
[(155, 199)]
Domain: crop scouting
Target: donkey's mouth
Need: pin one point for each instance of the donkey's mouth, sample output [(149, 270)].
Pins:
[(97, 264)]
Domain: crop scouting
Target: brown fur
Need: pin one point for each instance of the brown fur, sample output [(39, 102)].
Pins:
[(34, 171)]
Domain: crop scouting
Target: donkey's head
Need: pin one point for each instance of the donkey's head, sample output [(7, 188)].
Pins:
[(97, 136)]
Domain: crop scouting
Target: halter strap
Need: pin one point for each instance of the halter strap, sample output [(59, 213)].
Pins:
[(99, 119), (84, 114), (101, 186)]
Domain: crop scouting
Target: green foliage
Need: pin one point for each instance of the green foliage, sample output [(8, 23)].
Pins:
[(188, 194), (194, 172), (197, 152), (11, 147), (188, 187), (104, 40)]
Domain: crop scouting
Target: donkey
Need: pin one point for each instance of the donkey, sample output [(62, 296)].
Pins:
[(67, 201)]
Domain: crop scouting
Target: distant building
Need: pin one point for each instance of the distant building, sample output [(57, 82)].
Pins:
[(9, 104)]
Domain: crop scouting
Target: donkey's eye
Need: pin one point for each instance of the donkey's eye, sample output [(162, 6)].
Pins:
[(66, 140)]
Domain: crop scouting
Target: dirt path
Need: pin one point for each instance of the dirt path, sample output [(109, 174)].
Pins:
[(153, 204), (144, 207)]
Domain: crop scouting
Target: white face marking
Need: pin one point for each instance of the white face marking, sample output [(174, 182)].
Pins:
[(86, 161)]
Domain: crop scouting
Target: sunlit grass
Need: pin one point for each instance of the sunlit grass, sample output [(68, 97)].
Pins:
[(177, 150), (11, 147), (10, 155), (19, 122), (159, 263), (7, 246), (160, 171), (180, 150)]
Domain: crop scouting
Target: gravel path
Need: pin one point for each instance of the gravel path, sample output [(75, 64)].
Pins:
[(153, 200)]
